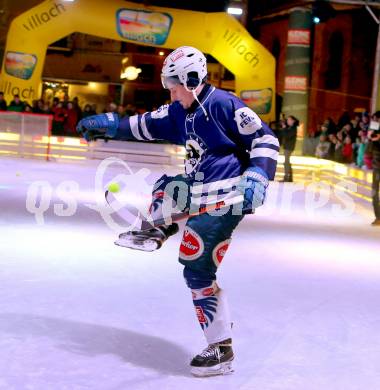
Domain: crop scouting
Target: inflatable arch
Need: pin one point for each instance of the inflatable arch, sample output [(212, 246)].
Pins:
[(218, 34)]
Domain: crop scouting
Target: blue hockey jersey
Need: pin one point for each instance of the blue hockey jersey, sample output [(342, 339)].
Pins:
[(221, 143)]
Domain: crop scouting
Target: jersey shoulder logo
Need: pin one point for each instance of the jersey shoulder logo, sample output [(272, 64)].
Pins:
[(161, 112), (248, 122)]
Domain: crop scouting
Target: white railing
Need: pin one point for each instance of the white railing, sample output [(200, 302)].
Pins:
[(24, 134), (29, 135)]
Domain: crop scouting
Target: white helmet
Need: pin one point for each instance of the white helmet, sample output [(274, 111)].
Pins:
[(185, 65)]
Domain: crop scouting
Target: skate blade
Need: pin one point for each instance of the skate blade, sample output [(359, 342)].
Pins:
[(219, 369), (146, 245)]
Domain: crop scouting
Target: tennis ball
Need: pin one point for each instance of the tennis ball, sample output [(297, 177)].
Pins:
[(114, 187), (18, 174)]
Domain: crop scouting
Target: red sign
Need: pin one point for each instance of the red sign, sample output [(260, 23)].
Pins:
[(299, 37), (295, 83)]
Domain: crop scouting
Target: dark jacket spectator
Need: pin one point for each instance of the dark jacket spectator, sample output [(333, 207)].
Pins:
[(88, 111), (3, 103), (289, 133), (276, 130), (376, 176), (38, 107), (344, 119), (289, 138), (331, 127), (77, 108), (376, 153), (16, 104)]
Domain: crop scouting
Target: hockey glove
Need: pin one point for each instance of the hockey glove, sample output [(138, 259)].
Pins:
[(253, 186), (99, 126)]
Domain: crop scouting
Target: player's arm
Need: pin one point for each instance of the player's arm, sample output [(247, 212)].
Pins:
[(257, 139), (149, 126)]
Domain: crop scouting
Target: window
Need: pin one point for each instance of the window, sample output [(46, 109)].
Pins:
[(334, 61)]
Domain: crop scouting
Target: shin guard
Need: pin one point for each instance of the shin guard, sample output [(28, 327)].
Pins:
[(211, 308)]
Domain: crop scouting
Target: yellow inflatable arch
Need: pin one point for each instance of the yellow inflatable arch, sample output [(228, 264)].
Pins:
[(218, 34)]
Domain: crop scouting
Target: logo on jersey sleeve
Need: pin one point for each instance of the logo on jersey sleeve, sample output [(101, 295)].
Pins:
[(192, 245), (195, 153), (247, 121), (161, 112), (219, 251)]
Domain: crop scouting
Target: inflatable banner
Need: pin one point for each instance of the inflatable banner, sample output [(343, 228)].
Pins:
[(218, 34)]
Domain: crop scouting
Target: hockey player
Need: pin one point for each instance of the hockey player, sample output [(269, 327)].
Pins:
[(224, 140)]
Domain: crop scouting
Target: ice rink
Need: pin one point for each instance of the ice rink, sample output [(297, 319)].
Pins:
[(77, 312)]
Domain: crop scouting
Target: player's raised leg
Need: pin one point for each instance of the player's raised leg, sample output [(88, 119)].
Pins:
[(167, 189)]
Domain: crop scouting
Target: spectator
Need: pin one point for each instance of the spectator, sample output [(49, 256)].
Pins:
[(289, 138), (276, 131), (375, 139), (28, 108), (318, 132), (355, 122), (38, 106), (66, 100), (130, 110), (368, 154), (71, 120), (87, 111), (111, 107), (347, 150), (323, 147), (46, 109), (77, 108), (16, 104), (362, 143), (54, 104), (331, 127), (333, 141), (365, 121), (121, 111), (3, 103), (348, 129), (59, 116), (338, 153), (344, 119)]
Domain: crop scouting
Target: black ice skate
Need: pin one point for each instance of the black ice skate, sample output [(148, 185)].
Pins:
[(216, 359), (147, 240)]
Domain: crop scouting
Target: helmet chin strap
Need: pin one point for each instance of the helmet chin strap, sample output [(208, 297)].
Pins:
[(200, 104)]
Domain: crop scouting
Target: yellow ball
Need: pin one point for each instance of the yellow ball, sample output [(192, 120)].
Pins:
[(114, 187)]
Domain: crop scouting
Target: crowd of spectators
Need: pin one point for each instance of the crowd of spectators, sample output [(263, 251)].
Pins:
[(66, 113), (352, 140), (349, 140)]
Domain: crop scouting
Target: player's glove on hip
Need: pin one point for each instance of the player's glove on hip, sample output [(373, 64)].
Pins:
[(99, 126), (253, 186)]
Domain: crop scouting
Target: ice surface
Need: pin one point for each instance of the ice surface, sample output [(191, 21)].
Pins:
[(77, 312)]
